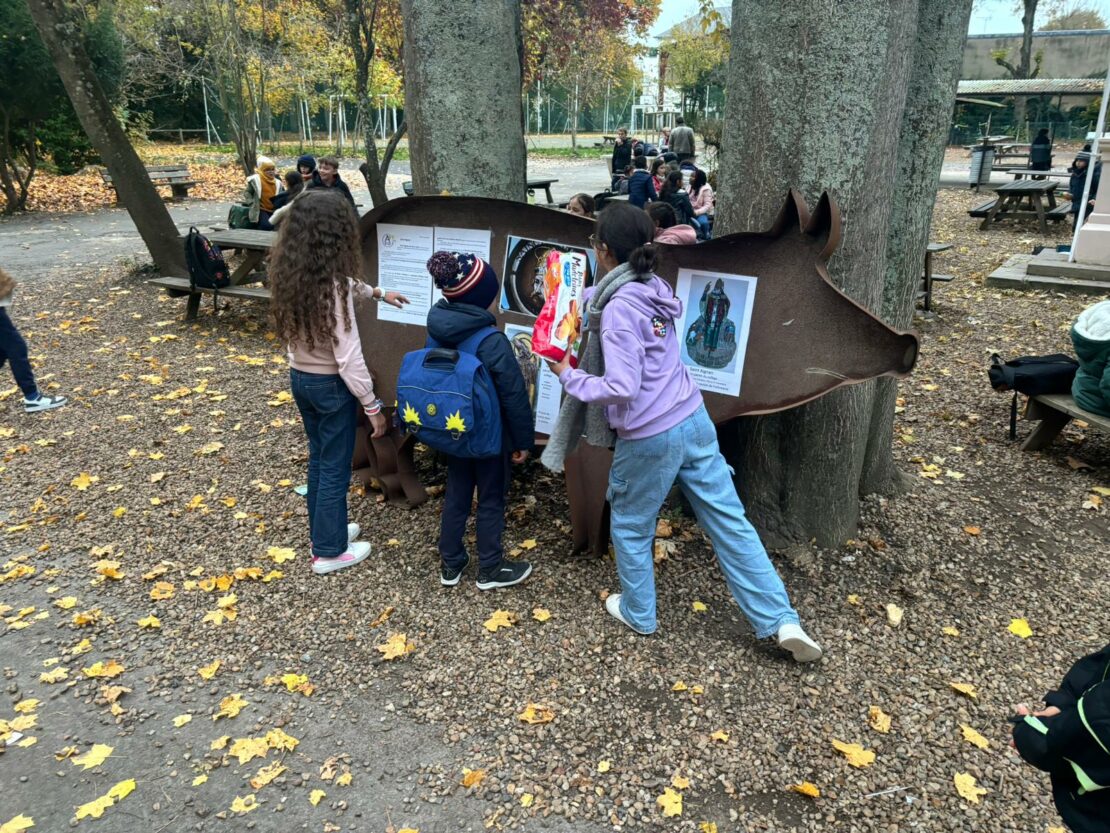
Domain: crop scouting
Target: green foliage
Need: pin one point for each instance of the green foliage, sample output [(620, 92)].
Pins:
[(1078, 18), (62, 138)]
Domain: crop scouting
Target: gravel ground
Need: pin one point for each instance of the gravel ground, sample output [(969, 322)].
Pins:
[(180, 452)]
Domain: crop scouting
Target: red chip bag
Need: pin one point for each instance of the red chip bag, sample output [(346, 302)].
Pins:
[(557, 326)]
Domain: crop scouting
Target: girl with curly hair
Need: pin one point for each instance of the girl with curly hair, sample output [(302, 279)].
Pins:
[(315, 271)]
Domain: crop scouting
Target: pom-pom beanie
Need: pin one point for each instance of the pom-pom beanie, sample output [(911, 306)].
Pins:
[(464, 278)]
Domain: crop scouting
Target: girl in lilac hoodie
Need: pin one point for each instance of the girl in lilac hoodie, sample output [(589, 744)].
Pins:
[(663, 434)]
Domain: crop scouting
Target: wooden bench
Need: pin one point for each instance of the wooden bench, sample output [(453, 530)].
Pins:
[(181, 286), (177, 177), (983, 209), (1054, 411), (928, 279)]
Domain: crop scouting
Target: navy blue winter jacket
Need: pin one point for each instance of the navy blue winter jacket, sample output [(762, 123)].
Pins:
[(450, 324), (641, 188)]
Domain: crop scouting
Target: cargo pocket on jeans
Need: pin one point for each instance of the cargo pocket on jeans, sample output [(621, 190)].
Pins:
[(616, 487)]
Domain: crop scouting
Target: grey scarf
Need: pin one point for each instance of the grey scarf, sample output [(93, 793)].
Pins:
[(575, 417)]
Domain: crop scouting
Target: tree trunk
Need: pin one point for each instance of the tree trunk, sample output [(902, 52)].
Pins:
[(816, 92), (462, 97), (1025, 58), (937, 57), (62, 39)]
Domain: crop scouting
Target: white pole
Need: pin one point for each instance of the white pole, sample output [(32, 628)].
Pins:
[(1092, 160), (329, 120), (207, 121)]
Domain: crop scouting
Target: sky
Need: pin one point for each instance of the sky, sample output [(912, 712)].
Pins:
[(988, 17)]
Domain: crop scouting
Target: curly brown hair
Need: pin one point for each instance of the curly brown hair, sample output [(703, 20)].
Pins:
[(317, 249)]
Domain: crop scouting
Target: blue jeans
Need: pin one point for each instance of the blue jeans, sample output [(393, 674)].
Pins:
[(330, 415), (643, 472), (704, 232), (13, 349), (491, 476)]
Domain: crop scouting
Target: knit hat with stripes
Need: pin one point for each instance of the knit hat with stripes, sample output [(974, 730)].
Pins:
[(464, 278)]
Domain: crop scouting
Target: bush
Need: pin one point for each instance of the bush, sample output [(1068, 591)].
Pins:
[(65, 143)]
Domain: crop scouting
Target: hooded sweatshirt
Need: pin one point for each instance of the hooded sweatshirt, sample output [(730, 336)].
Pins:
[(646, 388), (1091, 337), (680, 235), (451, 324)]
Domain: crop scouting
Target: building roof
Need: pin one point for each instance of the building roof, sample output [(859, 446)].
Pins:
[(693, 22), (1032, 86)]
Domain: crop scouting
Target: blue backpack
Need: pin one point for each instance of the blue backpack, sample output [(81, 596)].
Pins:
[(446, 399)]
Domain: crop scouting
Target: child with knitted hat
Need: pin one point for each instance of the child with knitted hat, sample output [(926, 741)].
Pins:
[(469, 285)]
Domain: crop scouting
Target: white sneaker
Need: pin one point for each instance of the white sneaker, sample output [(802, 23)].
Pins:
[(352, 532), (356, 551), (797, 642), (43, 403), (613, 605)]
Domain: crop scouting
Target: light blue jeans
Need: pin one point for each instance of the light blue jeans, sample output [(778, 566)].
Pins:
[(643, 472)]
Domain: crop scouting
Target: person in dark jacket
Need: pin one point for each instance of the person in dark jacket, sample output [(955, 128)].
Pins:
[(1040, 151), (678, 199), (469, 286), (641, 189), (622, 154), (1070, 740), (327, 176), (306, 166), (1078, 171), (294, 184)]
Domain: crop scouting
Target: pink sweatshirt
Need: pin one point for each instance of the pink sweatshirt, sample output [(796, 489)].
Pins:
[(703, 202), (680, 235), (344, 358)]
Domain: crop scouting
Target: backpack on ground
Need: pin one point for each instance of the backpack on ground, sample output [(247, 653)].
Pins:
[(1033, 376), (447, 400), (207, 267)]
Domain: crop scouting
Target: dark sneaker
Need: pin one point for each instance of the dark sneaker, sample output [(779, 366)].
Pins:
[(43, 403), (505, 574), (449, 576)]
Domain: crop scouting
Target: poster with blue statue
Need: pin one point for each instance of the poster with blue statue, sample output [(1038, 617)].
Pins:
[(713, 329)]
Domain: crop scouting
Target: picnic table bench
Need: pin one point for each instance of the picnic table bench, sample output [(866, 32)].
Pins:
[(177, 177), (1019, 173), (255, 245), (1054, 411), (1012, 199), (928, 278)]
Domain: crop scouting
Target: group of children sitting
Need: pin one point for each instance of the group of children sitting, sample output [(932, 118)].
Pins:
[(266, 197), (681, 190)]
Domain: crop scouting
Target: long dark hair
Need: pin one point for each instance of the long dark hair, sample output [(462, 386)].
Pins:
[(317, 249), (657, 164), (672, 185), (698, 181), (627, 232)]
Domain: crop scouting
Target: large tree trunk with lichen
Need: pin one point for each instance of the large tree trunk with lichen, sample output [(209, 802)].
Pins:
[(61, 36), (462, 97), (816, 92), (937, 57)]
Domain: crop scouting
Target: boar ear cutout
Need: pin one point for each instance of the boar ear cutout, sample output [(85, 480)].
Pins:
[(792, 217), (824, 225)]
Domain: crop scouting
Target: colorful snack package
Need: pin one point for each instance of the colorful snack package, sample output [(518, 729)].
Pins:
[(557, 326)]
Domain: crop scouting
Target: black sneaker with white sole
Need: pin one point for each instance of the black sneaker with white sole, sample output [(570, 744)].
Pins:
[(449, 576), (43, 403), (505, 574)]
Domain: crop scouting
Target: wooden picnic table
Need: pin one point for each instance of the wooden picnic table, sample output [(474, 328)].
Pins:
[(254, 243), (1020, 173), (1013, 195), (929, 277), (544, 184)]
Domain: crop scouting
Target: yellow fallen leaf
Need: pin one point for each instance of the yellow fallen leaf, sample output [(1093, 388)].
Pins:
[(344, 780), (26, 742), (219, 743), (207, 672), (162, 590), (315, 797), (670, 802), (856, 755), (530, 544), (66, 602), (679, 686), (82, 481), (247, 749), (966, 787), (499, 619), (17, 825), (26, 706), (679, 782), (536, 713), (281, 554), (966, 689), (200, 779), (94, 809), (603, 766), (149, 622), (1101, 490), (950, 631), (806, 788), (111, 668), (244, 804), (181, 720), (94, 757), (894, 615), (55, 675), (972, 530), (65, 752), (395, 646), (973, 737), (541, 614), (228, 601), (472, 777), (209, 448), (230, 706), (879, 720), (699, 607), (720, 736), (267, 774), (526, 799), (707, 827), (853, 599), (1020, 627), (23, 722), (277, 739)]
